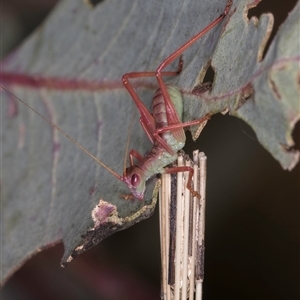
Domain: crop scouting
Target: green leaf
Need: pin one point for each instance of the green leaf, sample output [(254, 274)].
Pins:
[(70, 69)]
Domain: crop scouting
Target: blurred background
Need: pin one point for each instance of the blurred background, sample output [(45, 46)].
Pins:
[(252, 216)]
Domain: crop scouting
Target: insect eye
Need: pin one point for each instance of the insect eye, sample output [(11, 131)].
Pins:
[(135, 180)]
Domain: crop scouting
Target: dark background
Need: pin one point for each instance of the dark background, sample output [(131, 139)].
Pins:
[(252, 216)]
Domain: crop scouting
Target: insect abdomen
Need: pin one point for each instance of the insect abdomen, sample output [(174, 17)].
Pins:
[(160, 116), (159, 107)]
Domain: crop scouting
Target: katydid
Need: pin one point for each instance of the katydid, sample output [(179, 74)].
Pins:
[(163, 126)]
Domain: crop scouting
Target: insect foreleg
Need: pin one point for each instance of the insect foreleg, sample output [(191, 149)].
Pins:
[(180, 125), (189, 182), (132, 154)]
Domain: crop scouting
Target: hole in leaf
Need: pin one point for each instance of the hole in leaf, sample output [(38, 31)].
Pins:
[(296, 136), (93, 3), (206, 83), (280, 13), (209, 75)]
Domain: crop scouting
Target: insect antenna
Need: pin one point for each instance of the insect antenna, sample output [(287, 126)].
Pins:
[(127, 144), (67, 136)]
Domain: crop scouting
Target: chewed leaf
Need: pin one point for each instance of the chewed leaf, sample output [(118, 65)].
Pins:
[(53, 191), (273, 107), (264, 93)]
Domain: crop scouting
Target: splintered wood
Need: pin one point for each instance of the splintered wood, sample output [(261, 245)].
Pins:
[(182, 231)]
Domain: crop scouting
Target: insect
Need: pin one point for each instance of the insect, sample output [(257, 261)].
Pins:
[(163, 126)]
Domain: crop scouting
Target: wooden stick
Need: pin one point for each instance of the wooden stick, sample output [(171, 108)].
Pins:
[(182, 232)]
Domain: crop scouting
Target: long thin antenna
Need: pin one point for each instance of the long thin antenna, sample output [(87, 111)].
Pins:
[(127, 144), (67, 136)]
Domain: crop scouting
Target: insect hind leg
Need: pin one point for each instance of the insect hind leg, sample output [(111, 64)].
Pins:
[(146, 119), (172, 116)]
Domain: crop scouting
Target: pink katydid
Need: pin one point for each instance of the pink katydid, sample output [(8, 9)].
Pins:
[(163, 127)]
